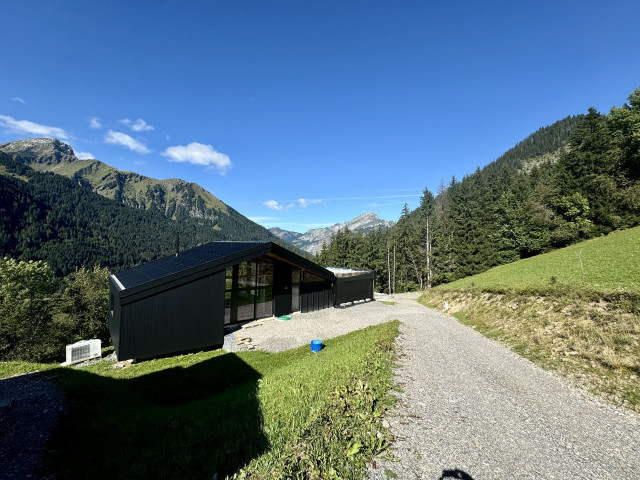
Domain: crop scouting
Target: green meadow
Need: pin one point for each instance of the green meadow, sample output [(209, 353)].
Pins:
[(606, 263), (294, 414)]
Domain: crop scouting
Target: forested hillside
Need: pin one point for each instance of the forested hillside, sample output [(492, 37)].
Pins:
[(576, 179), (49, 217), (173, 198)]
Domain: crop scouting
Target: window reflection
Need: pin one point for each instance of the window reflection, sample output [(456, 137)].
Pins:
[(227, 308), (264, 302), (311, 278), (249, 290), (247, 274), (246, 304), (295, 289), (265, 272)]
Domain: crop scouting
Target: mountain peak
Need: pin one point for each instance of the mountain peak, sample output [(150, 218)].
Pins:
[(312, 240), (367, 216), (366, 222), (41, 150)]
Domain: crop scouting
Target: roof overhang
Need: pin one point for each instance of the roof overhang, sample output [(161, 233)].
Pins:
[(154, 286)]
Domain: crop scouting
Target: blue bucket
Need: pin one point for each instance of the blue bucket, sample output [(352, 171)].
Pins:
[(316, 345)]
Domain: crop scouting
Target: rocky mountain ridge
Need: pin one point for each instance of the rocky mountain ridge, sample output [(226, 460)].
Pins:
[(312, 240), (174, 198)]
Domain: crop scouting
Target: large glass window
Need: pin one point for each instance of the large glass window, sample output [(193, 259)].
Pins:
[(227, 308), (246, 304), (229, 278), (311, 278), (264, 302), (295, 289), (247, 274), (265, 272), (228, 289), (249, 290)]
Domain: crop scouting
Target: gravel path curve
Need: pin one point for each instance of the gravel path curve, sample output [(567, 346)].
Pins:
[(472, 409)]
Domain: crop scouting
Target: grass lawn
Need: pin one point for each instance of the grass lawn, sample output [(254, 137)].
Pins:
[(603, 264), (294, 414)]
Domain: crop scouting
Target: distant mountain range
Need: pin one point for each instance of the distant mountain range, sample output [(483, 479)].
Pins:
[(73, 212), (173, 198), (312, 240)]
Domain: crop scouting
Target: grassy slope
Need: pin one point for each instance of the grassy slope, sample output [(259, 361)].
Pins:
[(584, 326), (293, 414), (99, 174), (609, 263)]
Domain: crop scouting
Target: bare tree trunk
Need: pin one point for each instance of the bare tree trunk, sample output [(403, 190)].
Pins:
[(428, 247), (415, 267), (389, 268), (394, 268)]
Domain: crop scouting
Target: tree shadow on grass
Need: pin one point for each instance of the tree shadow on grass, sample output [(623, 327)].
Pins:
[(178, 422)]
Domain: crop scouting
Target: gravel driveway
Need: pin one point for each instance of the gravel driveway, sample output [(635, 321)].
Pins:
[(471, 409)]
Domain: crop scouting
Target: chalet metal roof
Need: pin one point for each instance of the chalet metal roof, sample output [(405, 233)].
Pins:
[(204, 260)]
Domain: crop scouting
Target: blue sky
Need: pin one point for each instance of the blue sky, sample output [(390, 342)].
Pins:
[(305, 114)]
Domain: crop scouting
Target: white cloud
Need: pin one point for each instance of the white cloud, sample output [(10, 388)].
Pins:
[(18, 99), (138, 126), (124, 140), (141, 126), (294, 226), (199, 154), (25, 126), (275, 205), (305, 202), (84, 155), (95, 123)]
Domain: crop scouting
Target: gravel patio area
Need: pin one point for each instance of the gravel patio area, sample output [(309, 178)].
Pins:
[(274, 335)]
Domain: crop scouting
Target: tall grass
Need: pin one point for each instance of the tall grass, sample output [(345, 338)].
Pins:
[(592, 340), (575, 310)]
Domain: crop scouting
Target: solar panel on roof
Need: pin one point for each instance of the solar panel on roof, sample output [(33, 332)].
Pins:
[(188, 259)]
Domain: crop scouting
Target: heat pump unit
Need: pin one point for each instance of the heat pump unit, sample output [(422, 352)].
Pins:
[(83, 350)]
